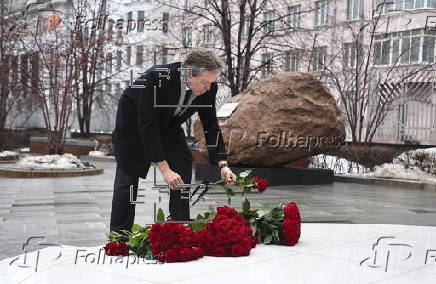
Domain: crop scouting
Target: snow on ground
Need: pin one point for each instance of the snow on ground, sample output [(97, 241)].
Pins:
[(97, 153), (337, 164), (65, 161), (400, 172), (404, 166), (8, 154)]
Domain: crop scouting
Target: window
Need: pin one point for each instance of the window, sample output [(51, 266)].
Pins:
[(294, 16), (245, 26), (119, 59), (319, 56), (128, 55), (119, 36), (207, 34), (189, 4), (428, 49), (268, 21), (165, 21), (187, 37), (407, 47), (140, 21), (350, 54), (139, 54), (354, 9), (292, 60), (267, 64), (321, 12), (391, 6), (109, 63)]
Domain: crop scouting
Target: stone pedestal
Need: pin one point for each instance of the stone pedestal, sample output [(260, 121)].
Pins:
[(275, 176)]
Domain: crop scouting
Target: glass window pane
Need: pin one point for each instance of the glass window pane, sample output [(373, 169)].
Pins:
[(408, 4), (399, 5), (405, 49), (386, 48), (428, 49), (419, 3), (377, 50), (414, 54), (395, 50), (355, 9), (431, 3)]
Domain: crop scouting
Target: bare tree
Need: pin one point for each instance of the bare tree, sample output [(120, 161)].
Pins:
[(242, 33)]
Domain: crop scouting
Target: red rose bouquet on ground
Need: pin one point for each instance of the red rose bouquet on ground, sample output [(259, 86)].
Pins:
[(291, 224), (116, 248), (227, 235), (173, 242), (280, 225)]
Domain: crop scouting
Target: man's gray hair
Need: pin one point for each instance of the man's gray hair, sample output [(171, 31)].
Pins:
[(202, 58)]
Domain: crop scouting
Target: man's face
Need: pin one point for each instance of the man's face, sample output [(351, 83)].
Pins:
[(202, 84)]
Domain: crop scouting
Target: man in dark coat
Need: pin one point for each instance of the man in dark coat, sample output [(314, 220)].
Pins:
[(148, 130)]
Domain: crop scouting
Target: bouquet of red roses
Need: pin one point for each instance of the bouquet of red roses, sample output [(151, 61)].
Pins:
[(173, 242), (280, 225), (227, 235), (116, 248)]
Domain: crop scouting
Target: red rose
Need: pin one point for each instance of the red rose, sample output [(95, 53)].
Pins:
[(197, 252), (112, 248), (218, 251), (171, 256), (123, 248), (185, 254), (238, 250), (260, 184), (291, 211), (291, 231)]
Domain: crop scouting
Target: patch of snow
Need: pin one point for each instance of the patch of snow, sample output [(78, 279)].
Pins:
[(65, 161), (8, 154), (400, 172), (97, 153), (337, 164)]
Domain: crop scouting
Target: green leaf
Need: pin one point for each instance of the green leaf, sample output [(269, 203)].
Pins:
[(267, 240), (246, 206), (160, 215), (229, 191), (136, 228), (196, 227)]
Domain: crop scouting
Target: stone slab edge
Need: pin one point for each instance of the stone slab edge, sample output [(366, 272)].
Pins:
[(13, 173), (98, 158), (386, 181)]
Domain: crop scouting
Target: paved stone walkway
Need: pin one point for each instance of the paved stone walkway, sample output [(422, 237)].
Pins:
[(76, 211)]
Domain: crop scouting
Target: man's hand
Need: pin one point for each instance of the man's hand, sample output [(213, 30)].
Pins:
[(172, 179), (228, 176)]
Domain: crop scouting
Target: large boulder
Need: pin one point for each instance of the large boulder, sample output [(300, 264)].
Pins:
[(286, 117)]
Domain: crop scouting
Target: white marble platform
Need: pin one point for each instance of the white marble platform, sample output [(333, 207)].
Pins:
[(326, 253)]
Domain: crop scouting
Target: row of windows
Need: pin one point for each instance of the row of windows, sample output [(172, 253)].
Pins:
[(292, 60), (408, 47), (392, 6)]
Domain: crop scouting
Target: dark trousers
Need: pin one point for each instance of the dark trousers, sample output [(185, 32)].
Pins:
[(179, 159)]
